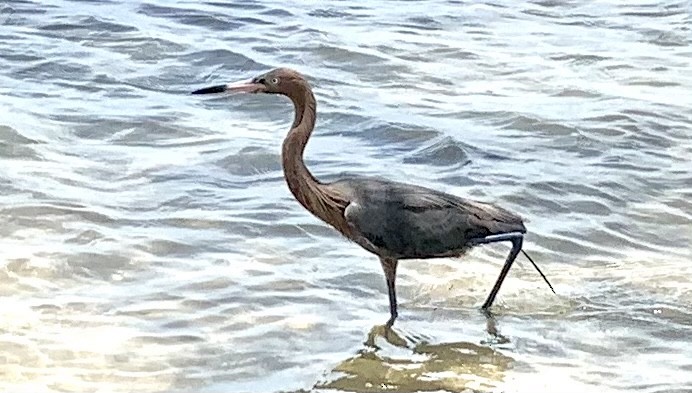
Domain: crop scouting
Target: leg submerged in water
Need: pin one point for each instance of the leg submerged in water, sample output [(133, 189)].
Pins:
[(389, 268), (517, 240)]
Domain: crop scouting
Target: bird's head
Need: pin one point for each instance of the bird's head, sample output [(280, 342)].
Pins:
[(283, 81)]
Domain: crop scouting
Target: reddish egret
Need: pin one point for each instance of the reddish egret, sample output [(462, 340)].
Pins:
[(391, 220)]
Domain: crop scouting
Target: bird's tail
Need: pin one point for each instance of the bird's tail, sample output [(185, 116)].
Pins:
[(539, 270)]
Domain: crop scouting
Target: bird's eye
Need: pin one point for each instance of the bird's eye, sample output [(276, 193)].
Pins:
[(275, 81)]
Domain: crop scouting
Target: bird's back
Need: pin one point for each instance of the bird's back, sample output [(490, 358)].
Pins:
[(406, 221)]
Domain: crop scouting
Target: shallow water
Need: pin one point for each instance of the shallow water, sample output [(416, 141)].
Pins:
[(149, 242)]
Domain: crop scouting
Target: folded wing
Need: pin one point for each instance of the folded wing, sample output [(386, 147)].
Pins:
[(407, 221)]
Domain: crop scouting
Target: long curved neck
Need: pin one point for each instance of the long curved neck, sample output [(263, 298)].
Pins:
[(322, 201), (300, 181)]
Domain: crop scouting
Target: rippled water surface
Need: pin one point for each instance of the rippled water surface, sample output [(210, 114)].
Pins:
[(150, 244)]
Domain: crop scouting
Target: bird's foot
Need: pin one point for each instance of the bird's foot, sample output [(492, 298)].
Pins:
[(391, 320), (491, 327)]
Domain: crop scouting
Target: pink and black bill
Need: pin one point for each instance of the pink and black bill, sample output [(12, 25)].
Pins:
[(211, 90), (248, 86)]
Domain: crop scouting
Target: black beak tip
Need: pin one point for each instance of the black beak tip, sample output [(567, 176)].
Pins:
[(210, 90)]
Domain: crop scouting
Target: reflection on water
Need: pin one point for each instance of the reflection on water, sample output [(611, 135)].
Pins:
[(390, 362)]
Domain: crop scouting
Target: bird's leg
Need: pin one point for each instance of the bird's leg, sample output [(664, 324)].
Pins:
[(389, 267), (517, 240), (491, 327)]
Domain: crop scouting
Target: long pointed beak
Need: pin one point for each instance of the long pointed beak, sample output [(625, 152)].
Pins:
[(247, 86)]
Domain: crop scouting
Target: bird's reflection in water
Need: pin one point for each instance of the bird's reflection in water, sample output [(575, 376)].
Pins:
[(392, 360)]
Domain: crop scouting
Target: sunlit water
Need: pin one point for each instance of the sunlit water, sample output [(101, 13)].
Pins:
[(150, 244)]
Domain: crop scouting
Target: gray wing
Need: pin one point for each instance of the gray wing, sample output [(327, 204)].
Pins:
[(407, 221)]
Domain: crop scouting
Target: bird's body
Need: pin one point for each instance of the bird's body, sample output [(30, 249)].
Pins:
[(404, 221), (392, 220)]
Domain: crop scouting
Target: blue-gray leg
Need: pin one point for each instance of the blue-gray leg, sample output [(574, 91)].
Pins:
[(517, 239), (389, 267)]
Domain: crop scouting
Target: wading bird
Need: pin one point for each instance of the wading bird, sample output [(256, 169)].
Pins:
[(392, 220)]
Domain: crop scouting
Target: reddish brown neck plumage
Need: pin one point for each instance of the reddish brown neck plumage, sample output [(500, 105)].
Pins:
[(297, 175), (304, 186)]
